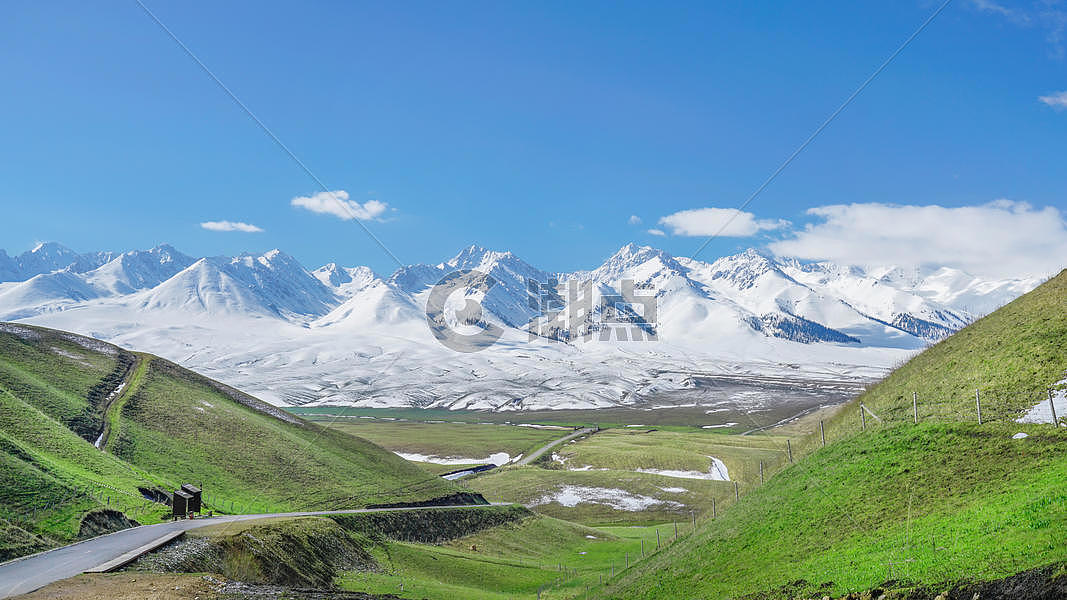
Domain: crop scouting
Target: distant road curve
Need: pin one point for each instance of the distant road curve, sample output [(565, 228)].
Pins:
[(29, 573), (536, 454)]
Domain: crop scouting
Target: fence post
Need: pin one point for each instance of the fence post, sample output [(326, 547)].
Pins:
[(863, 419), (657, 538), (761, 472), (978, 403), (737, 493), (789, 449), (642, 548), (915, 407), (822, 433), (713, 513), (676, 530), (1052, 407)]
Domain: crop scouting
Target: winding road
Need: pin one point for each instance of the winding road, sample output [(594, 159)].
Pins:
[(536, 454), (29, 573)]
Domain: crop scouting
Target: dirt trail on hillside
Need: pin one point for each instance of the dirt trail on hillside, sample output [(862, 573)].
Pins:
[(112, 399)]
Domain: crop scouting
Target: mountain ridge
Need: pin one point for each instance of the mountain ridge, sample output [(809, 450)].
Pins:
[(847, 303), (289, 335)]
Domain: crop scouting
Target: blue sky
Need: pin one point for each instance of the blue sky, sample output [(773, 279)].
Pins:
[(539, 128)]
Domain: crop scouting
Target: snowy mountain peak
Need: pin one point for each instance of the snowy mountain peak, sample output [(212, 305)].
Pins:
[(479, 258), (273, 284), (166, 254), (504, 267), (273, 259), (750, 293), (138, 269), (345, 280), (332, 275), (745, 268), (639, 263), (416, 278), (48, 257), (634, 253), (272, 254), (52, 249)]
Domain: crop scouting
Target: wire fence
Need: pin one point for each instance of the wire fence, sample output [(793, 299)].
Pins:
[(983, 408), (27, 515)]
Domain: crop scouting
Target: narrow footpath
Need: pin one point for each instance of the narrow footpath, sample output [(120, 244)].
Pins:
[(118, 396)]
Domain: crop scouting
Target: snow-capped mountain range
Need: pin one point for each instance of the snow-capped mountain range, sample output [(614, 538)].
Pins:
[(346, 334)]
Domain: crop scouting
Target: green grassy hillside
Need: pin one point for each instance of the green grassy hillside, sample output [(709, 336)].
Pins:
[(902, 505), (513, 560), (1012, 356), (165, 426), (242, 448)]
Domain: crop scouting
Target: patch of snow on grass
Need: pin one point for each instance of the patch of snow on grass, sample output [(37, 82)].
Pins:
[(23, 332), (573, 495), (71, 355), (719, 468), (721, 425), (674, 490), (497, 458), (1042, 413), (717, 472)]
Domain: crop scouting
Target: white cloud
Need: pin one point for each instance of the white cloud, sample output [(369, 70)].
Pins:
[(990, 6), (726, 222), (1047, 16), (635, 220), (1055, 99), (338, 205), (1002, 238), (657, 232), (230, 226)]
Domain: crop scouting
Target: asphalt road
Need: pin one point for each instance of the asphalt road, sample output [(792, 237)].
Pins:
[(29, 573), (537, 453)]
